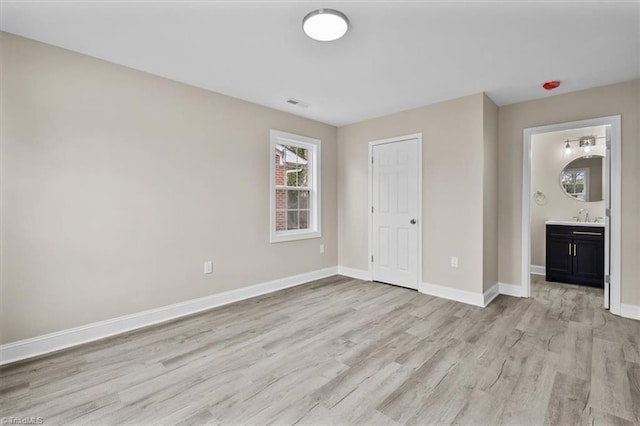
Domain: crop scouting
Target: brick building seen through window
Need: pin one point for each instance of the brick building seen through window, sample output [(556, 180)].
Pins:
[(292, 187)]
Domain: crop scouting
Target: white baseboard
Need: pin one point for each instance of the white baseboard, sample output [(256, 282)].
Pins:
[(630, 311), (538, 270), (491, 294), (358, 274), (468, 297), (40, 345), (511, 290)]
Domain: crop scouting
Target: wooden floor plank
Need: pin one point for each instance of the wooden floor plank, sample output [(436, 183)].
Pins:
[(569, 400), (633, 374), (610, 388)]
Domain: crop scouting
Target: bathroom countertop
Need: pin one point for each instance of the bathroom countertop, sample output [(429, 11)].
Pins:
[(573, 223)]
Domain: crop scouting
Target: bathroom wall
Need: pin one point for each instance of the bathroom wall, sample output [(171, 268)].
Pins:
[(547, 161)]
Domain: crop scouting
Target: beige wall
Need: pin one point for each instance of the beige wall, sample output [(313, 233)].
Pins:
[(490, 197), (452, 203), (623, 99), (117, 185), (548, 159)]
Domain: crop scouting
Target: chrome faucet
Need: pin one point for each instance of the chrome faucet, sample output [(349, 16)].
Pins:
[(586, 214)]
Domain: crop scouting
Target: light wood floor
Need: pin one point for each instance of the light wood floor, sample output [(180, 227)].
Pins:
[(342, 351)]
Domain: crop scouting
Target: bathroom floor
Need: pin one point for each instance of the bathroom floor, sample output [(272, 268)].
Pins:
[(571, 292)]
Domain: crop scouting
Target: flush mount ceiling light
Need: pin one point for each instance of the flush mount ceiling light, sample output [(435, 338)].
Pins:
[(325, 24)]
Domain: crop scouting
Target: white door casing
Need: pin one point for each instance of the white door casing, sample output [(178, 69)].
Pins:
[(395, 231), (613, 220), (607, 218)]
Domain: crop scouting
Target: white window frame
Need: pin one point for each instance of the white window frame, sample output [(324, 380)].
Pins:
[(278, 137)]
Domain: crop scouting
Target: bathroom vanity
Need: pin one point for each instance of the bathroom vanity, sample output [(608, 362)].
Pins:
[(575, 253)]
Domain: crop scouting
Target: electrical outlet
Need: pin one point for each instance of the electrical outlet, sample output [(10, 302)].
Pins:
[(208, 267), (454, 261), (322, 248)]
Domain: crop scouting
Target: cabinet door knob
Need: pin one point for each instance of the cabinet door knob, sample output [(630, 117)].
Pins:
[(412, 221)]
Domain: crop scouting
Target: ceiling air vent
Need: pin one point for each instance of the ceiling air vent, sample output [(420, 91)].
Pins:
[(298, 103)]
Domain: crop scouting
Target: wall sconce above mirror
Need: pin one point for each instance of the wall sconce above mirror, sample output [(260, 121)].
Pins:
[(585, 143), (583, 178)]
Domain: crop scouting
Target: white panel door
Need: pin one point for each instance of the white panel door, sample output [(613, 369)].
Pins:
[(395, 213)]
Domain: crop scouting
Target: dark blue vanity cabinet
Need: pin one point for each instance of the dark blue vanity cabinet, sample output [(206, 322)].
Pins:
[(575, 254)]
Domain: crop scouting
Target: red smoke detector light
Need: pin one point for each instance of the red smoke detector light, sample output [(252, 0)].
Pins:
[(550, 85)]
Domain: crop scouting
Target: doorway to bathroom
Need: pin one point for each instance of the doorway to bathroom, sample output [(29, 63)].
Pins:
[(571, 208)]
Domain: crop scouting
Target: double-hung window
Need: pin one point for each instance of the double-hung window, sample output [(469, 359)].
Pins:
[(295, 187)]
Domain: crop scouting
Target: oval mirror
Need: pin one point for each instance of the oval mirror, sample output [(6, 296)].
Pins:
[(583, 178)]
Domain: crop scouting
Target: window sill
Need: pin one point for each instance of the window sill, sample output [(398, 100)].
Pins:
[(283, 236)]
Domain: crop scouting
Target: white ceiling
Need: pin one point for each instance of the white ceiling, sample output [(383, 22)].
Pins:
[(396, 56)]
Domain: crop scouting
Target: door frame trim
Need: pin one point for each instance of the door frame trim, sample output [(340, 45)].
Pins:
[(615, 194), (417, 136)]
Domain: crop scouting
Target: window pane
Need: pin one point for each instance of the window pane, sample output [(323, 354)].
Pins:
[(304, 219), (292, 219), (303, 199), (292, 200), (301, 154), (297, 175), (280, 165), (303, 173), (281, 199), (292, 174), (294, 160), (281, 220)]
